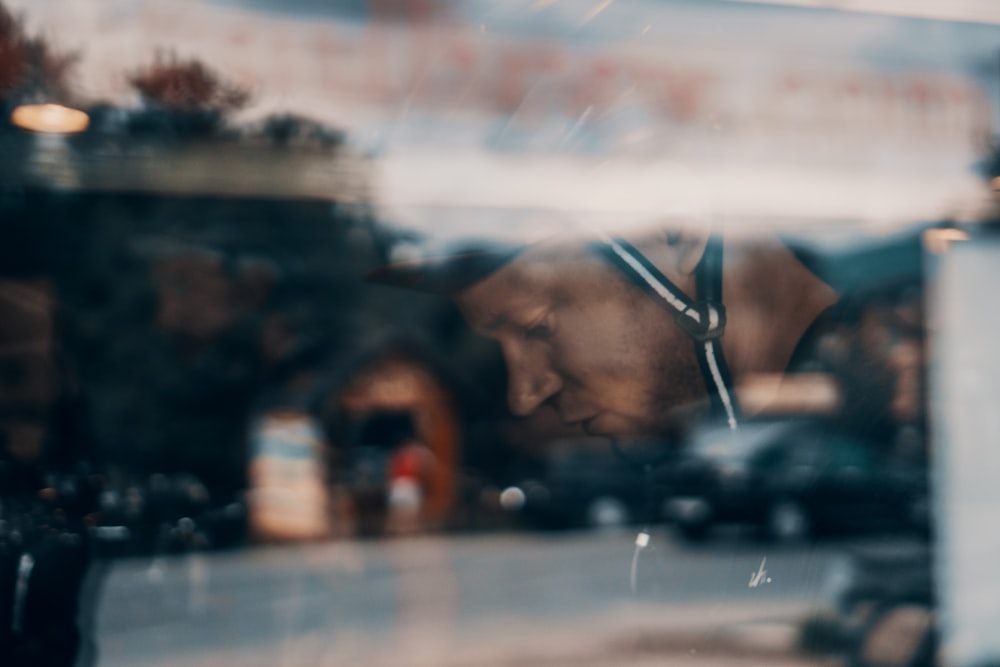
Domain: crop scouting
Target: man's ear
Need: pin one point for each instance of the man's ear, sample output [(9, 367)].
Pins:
[(688, 244)]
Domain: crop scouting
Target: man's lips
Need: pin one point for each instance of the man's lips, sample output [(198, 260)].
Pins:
[(605, 424), (578, 416), (584, 423)]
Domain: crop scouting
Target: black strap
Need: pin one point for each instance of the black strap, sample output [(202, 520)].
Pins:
[(701, 320), (704, 321)]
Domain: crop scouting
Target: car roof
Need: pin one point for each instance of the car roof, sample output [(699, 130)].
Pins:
[(719, 441)]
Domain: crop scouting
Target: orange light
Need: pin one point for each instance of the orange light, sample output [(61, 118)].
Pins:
[(50, 118)]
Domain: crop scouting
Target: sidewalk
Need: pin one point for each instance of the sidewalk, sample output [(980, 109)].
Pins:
[(696, 636), (700, 636)]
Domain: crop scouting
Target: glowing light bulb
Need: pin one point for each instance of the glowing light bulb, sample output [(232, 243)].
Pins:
[(50, 118)]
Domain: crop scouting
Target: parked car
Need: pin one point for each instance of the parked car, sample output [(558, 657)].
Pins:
[(792, 480), (167, 514), (588, 483)]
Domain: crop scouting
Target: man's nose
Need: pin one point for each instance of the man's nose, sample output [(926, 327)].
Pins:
[(531, 380)]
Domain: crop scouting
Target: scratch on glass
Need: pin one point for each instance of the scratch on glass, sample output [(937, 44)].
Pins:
[(641, 543), (594, 11), (513, 117), (759, 578), (578, 124)]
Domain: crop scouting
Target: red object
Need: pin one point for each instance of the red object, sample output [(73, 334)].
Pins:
[(409, 461)]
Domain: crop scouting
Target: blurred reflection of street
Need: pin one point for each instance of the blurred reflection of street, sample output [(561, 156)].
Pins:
[(508, 599)]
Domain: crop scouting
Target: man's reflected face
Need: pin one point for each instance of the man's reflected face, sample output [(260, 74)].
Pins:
[(577, 336)]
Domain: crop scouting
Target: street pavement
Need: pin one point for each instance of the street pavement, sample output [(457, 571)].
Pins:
[(486, 600)]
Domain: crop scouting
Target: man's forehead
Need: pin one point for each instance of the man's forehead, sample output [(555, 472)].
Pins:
[(538, 277), (520, 284)]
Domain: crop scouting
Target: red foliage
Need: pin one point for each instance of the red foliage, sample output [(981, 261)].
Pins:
[(178, 85), (28, 65)]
